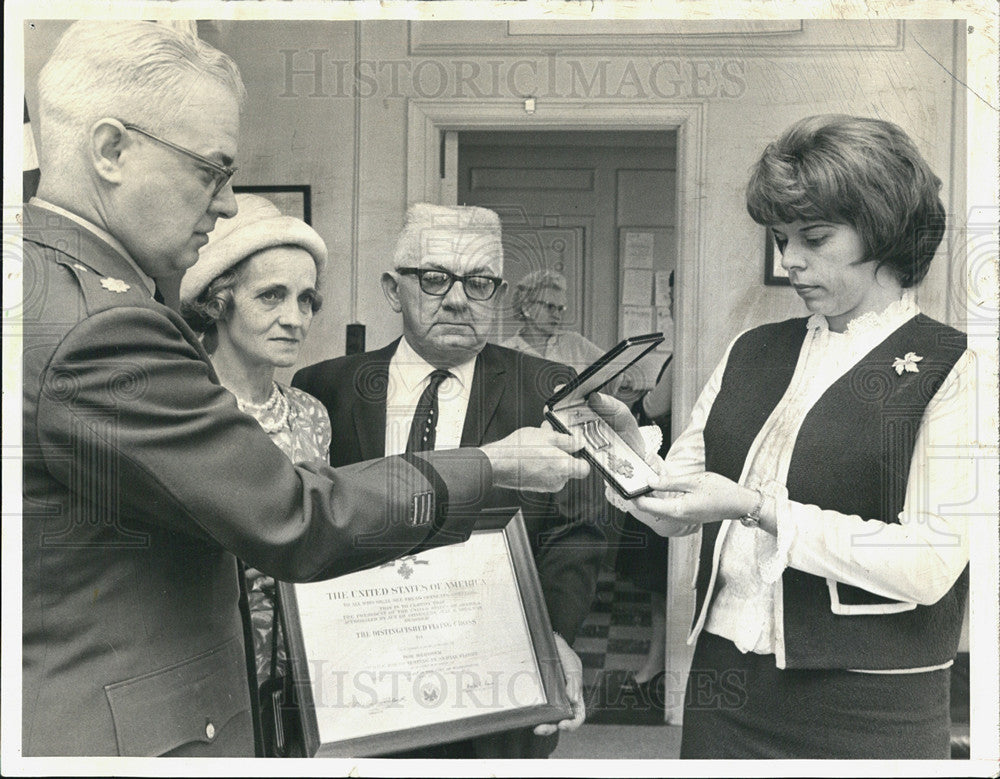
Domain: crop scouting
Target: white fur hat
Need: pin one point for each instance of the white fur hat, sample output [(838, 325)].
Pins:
[(258, 225)]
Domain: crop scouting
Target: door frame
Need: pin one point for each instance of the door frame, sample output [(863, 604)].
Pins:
[(429, 120)]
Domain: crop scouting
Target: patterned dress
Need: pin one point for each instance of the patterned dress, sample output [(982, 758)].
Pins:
[(300, 427)]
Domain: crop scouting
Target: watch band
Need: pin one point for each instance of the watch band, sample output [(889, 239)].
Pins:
[(752, 519)]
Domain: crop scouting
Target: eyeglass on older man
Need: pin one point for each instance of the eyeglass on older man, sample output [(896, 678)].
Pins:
[(438, 282)]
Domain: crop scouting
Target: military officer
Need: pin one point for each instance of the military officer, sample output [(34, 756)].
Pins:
[(142, 479)]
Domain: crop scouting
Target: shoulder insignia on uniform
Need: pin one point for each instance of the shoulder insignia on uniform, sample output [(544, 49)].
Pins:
[(114, 285), (423, 508)]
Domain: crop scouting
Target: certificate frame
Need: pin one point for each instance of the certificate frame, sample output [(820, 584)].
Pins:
[(509, 523)]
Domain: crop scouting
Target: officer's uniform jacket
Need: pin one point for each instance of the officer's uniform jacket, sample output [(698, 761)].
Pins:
[(142, 482)]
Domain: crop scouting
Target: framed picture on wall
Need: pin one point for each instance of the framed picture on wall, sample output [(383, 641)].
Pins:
[(774, 274), (291, 199)]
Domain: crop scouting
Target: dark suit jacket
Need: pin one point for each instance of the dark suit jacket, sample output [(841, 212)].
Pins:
[(141, 481)]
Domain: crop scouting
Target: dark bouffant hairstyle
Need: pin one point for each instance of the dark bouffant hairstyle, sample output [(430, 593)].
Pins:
[(866, 173)]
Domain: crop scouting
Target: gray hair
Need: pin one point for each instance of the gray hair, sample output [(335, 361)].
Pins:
[(480, 225), (135, 71), (527, 289)]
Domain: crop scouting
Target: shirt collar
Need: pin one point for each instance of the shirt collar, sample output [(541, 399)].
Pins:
[(412, 369), (890, 318), (104, 235)]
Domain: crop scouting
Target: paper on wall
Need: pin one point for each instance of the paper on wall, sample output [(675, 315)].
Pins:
[(636, 287), (635, 320), (661, 289), (638, 250)]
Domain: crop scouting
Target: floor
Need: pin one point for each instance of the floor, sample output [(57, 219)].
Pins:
[(613, 643), (615, 635), (620, 742)]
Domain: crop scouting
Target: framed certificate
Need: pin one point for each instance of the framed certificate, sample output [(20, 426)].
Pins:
[(429, 648)]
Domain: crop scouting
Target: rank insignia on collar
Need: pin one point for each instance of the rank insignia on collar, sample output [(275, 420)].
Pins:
[(78, 266), (114, 285)]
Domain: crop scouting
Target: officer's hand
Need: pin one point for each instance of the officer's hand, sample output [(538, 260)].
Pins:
[(536, 460)]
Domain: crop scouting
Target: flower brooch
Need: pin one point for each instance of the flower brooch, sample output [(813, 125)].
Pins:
[(907, 363)]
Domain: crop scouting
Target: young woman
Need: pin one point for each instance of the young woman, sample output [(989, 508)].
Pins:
[(833, 576)]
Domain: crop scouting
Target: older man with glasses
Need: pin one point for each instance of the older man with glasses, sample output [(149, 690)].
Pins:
[(441, 385), (143, 481)]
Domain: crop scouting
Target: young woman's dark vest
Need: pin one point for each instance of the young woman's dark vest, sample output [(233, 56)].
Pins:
[(852, 455)]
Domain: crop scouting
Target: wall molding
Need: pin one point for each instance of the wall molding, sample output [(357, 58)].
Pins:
[(479, 38)]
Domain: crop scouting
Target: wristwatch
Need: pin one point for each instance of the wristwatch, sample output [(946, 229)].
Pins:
[(752, 519)]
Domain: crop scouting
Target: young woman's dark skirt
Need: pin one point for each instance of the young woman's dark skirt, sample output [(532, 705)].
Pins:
[(742, 706)]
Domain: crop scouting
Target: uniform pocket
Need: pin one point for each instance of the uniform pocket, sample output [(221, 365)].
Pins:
[(189, 701)]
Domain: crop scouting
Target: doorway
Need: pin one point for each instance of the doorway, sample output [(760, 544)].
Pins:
[(433, 127), (599, 207)]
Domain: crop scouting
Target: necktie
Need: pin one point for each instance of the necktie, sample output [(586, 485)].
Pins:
[(423, 428)]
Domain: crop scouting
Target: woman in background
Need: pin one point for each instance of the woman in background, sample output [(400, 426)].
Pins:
[(539, 303), (252, 295), (832, 581)]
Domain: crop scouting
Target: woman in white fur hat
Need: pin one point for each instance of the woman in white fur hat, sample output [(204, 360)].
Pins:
[(252, 295)]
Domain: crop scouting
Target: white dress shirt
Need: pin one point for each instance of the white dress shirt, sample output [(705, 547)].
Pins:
[(915, 561), (409, 375)]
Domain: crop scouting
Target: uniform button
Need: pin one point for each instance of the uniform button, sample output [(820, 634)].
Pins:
[(209, 731)]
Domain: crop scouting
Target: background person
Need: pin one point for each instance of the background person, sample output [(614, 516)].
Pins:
[(252, 295), (828, 617), (446, 283), (539, 303), (142, 479)]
